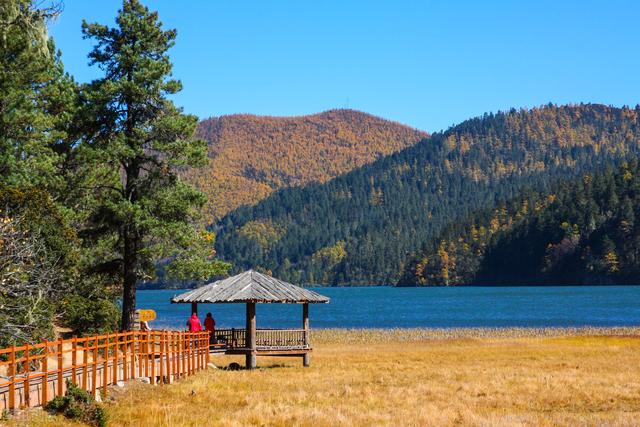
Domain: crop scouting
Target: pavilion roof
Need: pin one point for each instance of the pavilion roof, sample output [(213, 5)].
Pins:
[(250, 286)]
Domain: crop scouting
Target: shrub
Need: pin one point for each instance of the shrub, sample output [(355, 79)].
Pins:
[(88, 316), (78, 405)]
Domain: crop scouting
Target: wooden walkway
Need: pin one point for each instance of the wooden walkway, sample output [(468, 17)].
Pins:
[(32, 375)]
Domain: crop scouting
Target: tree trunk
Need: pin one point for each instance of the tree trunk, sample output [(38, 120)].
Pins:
[(130, 281)]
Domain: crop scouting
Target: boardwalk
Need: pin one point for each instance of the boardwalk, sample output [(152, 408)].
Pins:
[(32, 375)]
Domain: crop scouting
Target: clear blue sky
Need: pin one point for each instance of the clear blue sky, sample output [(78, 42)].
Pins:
[(429, 64)]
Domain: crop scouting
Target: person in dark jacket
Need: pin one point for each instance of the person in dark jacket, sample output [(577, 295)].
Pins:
[(210, 326)]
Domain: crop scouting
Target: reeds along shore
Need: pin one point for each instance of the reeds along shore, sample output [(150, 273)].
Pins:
[(378, 335), (432, 377)]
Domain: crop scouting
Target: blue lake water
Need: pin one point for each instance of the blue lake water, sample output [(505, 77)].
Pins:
[(388, 307)]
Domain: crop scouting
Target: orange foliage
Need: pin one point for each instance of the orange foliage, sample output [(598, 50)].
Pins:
[(252, 156)]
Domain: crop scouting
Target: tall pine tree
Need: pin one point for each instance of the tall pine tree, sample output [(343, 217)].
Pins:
[(137, 138), (36, 98)]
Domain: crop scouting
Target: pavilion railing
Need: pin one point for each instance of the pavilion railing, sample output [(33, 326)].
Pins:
[(32, 375), (230, 338), (265, 338), (281, 338)]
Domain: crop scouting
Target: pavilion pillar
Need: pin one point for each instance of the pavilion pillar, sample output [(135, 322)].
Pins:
[(251, 336), (194, 307), (305, 326)]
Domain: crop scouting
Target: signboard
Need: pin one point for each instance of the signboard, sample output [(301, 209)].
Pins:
[(146, 315)]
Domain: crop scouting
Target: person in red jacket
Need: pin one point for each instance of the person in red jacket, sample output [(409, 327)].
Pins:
[(209, 323), (194, 324), (210, 326)]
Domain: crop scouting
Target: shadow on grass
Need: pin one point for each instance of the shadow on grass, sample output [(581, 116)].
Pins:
[(234, 366)]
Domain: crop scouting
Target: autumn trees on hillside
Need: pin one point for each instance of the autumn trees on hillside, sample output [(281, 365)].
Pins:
[(580, 232), (388, 211), (252, 156)]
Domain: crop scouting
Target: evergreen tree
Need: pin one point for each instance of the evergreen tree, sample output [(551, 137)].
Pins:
[(136, 139), (31, 99), (579, 232), (37, 205)]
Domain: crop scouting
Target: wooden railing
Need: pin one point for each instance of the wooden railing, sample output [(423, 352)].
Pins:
[(232, 338), (265, 338), (281, 339), (32, 375)]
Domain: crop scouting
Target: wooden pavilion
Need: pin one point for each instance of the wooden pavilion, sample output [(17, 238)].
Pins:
[(251, 288)]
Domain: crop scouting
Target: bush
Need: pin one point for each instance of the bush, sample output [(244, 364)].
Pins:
[(78, 405), (88, 316)]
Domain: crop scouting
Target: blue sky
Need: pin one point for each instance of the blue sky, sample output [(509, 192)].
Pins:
[(428, 64)]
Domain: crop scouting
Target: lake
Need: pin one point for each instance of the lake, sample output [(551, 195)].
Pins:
[(388, 307)]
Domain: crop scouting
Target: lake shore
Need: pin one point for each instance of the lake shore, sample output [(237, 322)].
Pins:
[(476, 376), (382, 335)]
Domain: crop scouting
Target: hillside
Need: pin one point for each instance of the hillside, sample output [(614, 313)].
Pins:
[(251, 156), (583, 232), (364, 226)]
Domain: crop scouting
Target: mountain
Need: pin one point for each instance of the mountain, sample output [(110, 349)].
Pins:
[(252, 156), (364, 227), (583, 232)]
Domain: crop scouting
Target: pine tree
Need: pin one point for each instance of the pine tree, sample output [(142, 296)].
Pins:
[(31, 97), (138, 138)]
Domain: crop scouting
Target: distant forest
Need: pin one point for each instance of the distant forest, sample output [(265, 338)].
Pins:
[(366, 227), (584, 232), (252, 156)]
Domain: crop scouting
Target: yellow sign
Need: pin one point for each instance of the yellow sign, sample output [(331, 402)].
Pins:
[(146, 315)]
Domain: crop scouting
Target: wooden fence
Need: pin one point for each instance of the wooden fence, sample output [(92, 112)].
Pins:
[(32, 375), (266, 339), (281, 339)]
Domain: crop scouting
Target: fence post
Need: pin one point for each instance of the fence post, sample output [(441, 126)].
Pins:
[(105, 366), (196, 348), (205, 349), (189, 354), (198, 344), (60, 368), (140, 352), (161, 358), (74, 359), (12, 376), (146, 355), (94, 367), (208, 354), (133, 354), (115, 367), (27, 383), (168, 350), (45, 374), (176, 355), (152, 355), (183, 352), (199, 351), (172, 351), (194, 353), (125, 365), (85, 363)]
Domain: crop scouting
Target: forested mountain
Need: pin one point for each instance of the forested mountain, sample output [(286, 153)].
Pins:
[(251, 156), (583, 232), (364, 226)]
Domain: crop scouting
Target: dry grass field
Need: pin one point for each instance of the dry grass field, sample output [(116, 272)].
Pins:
[(510, 377)]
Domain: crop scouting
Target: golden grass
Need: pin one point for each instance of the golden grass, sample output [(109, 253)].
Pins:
[(408, 377)]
